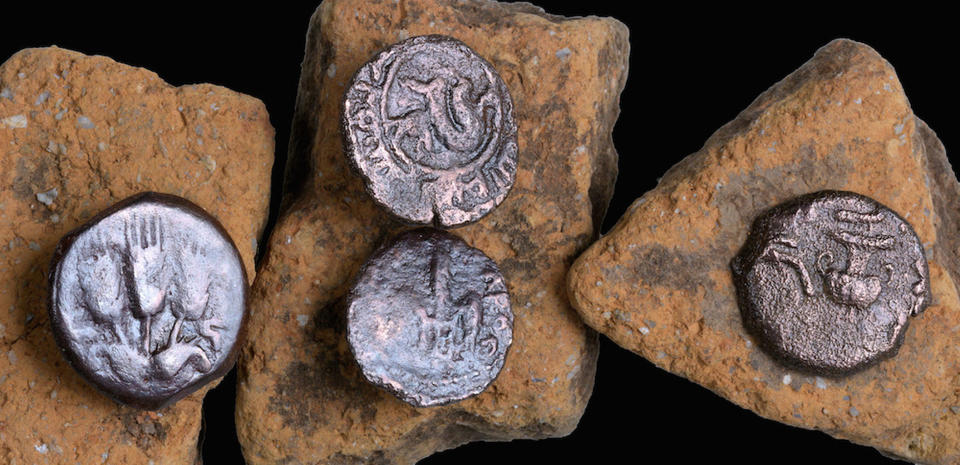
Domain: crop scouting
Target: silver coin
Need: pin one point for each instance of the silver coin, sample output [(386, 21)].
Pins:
[(827, 282), (147, 300), (429, 125), (429, 319)]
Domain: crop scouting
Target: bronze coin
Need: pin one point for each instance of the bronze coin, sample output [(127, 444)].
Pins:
[(429, 125), (148, 299), (827, 281), (429, 318)]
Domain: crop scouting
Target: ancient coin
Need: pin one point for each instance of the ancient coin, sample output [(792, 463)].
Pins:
[(429, 318), (148, 299), (827, 281), (429, 125)]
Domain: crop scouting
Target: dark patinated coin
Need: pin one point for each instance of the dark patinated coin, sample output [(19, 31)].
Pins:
[(827, 281), (148, 299), (429, 125), (429, 318)]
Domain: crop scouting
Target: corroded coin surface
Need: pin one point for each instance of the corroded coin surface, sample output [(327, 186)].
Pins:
[(429, 125), (827, 281), (147, 300), (429, 318)]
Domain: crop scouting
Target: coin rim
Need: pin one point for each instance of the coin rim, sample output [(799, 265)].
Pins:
[(224, 365), (746, 259), (510, 134), (419, 234)]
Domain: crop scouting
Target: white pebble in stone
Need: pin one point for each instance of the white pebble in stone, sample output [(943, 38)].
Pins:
[(47, 197), (821, 384), (15, 121), (85, 122)]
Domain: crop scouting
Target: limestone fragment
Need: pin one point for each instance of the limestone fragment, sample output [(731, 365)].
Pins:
[(840, 122), (115, 149), (301, 398)]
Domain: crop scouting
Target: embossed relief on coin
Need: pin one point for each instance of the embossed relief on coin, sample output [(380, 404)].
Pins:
[(429, 125), (147, 300), (827, 281), (429, 319)]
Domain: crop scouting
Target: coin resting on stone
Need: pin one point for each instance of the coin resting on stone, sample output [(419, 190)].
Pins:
[(827, 281), (429, 318), (429, 125), (148, 299)]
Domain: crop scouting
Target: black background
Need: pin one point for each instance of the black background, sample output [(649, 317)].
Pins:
[(691, 71)]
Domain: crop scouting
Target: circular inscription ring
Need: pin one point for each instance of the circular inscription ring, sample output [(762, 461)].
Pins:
[(429, 125), (827, 281), (429, 318), (147, 300)]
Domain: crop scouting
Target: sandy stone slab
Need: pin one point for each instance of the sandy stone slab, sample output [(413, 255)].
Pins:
[(660, 283), (301, 398), (78, 133)]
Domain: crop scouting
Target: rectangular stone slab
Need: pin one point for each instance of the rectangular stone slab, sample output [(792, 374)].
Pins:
[(77, 134), (301, 398)]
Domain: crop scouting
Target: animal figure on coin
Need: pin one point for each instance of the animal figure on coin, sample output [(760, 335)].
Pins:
[(457, 118)]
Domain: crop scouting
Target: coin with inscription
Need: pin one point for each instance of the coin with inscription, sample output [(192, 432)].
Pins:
[(429, 125), (827, 282), (148, 299), (429, 318)]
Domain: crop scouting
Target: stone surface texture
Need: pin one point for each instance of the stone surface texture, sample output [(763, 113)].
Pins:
[(77, 134), (301, 398), (659, 284)]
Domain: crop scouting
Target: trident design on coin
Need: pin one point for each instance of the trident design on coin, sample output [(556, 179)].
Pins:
[(828, 280), (148, 299), (429, 125), (429, 318)]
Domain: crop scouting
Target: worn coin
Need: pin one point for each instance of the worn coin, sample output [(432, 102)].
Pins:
[(826, 282), (148, 299), (429, 125), (429, 318)]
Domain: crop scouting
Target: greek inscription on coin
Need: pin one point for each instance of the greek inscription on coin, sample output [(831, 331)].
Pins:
[(429, 319), (147, 300), (827, 281), (429, 125)]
